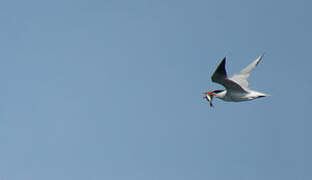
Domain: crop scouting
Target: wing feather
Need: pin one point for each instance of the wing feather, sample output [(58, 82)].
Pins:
[(220, 76), (242, 77)]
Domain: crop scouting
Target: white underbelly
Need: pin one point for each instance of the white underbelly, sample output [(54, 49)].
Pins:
[(236, 97)]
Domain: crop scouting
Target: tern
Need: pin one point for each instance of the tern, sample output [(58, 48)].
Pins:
[(236, 87)]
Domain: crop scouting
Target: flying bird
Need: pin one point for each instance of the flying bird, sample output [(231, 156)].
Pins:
[(236, 87)]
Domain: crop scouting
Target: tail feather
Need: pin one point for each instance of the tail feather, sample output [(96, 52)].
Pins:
[(263, 95)]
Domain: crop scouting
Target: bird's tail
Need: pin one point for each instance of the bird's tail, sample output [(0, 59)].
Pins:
[(263, 95)]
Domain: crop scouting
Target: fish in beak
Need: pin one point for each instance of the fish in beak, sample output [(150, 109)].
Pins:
[(209, 96)]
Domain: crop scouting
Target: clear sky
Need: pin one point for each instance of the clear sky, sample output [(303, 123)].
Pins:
[(113, 90)]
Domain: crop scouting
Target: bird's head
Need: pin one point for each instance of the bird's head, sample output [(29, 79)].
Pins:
[(211, 94)]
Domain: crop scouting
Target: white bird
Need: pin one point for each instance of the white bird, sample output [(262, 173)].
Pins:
[(237, 87)]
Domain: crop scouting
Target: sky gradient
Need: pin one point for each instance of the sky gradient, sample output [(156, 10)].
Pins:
[(113, 90)]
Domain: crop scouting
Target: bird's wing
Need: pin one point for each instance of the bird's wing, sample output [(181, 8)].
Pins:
[(242, 77), (220, 76)]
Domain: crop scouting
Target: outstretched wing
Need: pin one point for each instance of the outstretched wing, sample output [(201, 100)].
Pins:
[(220, 76), (242, 77)]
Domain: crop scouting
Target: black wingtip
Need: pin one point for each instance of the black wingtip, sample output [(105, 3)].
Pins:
[(223, 62), (224, 59), (221, 68)]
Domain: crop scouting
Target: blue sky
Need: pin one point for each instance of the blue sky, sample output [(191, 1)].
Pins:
[(113, 90)]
